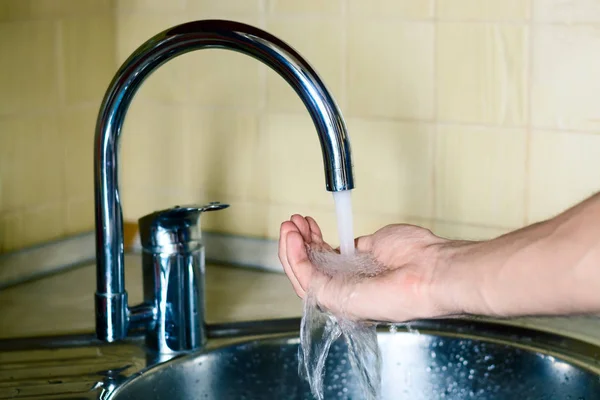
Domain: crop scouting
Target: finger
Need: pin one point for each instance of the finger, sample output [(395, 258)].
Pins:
[(316, 234), (364, 244), (286, 228), (303, 227), (298, 260)]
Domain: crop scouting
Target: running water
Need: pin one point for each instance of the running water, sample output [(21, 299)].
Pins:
[(319, 329), (343, 211)]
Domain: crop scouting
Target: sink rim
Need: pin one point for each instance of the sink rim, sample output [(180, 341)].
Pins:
[(579, 353)]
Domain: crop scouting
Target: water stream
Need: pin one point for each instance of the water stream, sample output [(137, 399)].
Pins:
[(345, 223), (319, 329)]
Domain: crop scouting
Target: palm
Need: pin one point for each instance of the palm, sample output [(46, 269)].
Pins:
[(397, 294)]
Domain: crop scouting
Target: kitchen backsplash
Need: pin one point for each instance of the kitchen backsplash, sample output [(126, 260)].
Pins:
[(470, 117), (56, 59)]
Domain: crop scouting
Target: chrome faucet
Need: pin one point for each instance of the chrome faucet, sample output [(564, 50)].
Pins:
[(113, 315), (173, 270)]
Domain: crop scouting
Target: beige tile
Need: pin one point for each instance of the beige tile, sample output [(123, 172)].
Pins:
[(565, 77), (151, 5), (278, 213), (482, 73), (395, 8), (217, 77), (367, 223), (295, 166), (480, 175), (29, 75), (306, 6), (31, 162), (393, 163), (320, 42), (11, 232), (244, 218), (168, 82), (133, 29), (219, 8), (89, 57), (138, 201), (393, 77), (222, 78), (364, 222), (568, 11), (43, 224), (11, 10), (80, 215), (153, 148), (466, 232), (494, 10), (77, 128), (565, 169), (224, 152)]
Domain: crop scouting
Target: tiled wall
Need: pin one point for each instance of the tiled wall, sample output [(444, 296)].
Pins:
[(471, 117), (56, 59)]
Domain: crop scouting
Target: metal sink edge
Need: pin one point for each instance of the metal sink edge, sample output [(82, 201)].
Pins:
[(79, 366)]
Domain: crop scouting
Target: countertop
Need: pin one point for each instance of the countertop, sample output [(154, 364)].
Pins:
[(63, 303)]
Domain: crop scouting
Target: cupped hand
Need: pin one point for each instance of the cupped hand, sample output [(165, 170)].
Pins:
[(403, 291)]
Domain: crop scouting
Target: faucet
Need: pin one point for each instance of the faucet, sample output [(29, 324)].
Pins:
[(114, 318)]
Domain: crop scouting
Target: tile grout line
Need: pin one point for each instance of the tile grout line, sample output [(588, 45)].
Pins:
[(529, 132), (320, 16), (60, 66), (263, 73), (263, 110), (61, 83), (434, 141), (168, 103), (344, 71)]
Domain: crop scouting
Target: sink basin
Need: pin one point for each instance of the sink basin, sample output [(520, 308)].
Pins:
[(480, 361)]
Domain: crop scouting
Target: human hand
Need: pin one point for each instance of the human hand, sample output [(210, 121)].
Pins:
[(404, 287)]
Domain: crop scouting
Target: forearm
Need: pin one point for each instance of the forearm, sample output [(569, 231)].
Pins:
[(552, 267)]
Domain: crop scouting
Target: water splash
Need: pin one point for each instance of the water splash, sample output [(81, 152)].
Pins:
[(319, 328)]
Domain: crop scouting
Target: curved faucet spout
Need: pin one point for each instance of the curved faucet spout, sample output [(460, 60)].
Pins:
[(112, 313)]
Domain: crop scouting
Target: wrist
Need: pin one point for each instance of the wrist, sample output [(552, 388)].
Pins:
[(460, 280)]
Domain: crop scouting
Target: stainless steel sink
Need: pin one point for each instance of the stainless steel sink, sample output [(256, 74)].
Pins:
[(451, 359)]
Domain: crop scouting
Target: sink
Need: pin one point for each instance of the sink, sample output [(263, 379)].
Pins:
[(453, 360)]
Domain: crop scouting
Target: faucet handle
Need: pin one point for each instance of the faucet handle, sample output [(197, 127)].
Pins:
[(173, 226), (179, 212)]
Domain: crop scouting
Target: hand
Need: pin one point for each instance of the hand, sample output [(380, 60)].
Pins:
[(403, 291)]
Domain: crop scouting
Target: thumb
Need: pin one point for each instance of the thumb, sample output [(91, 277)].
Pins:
[(361, 243), (364, 244)]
